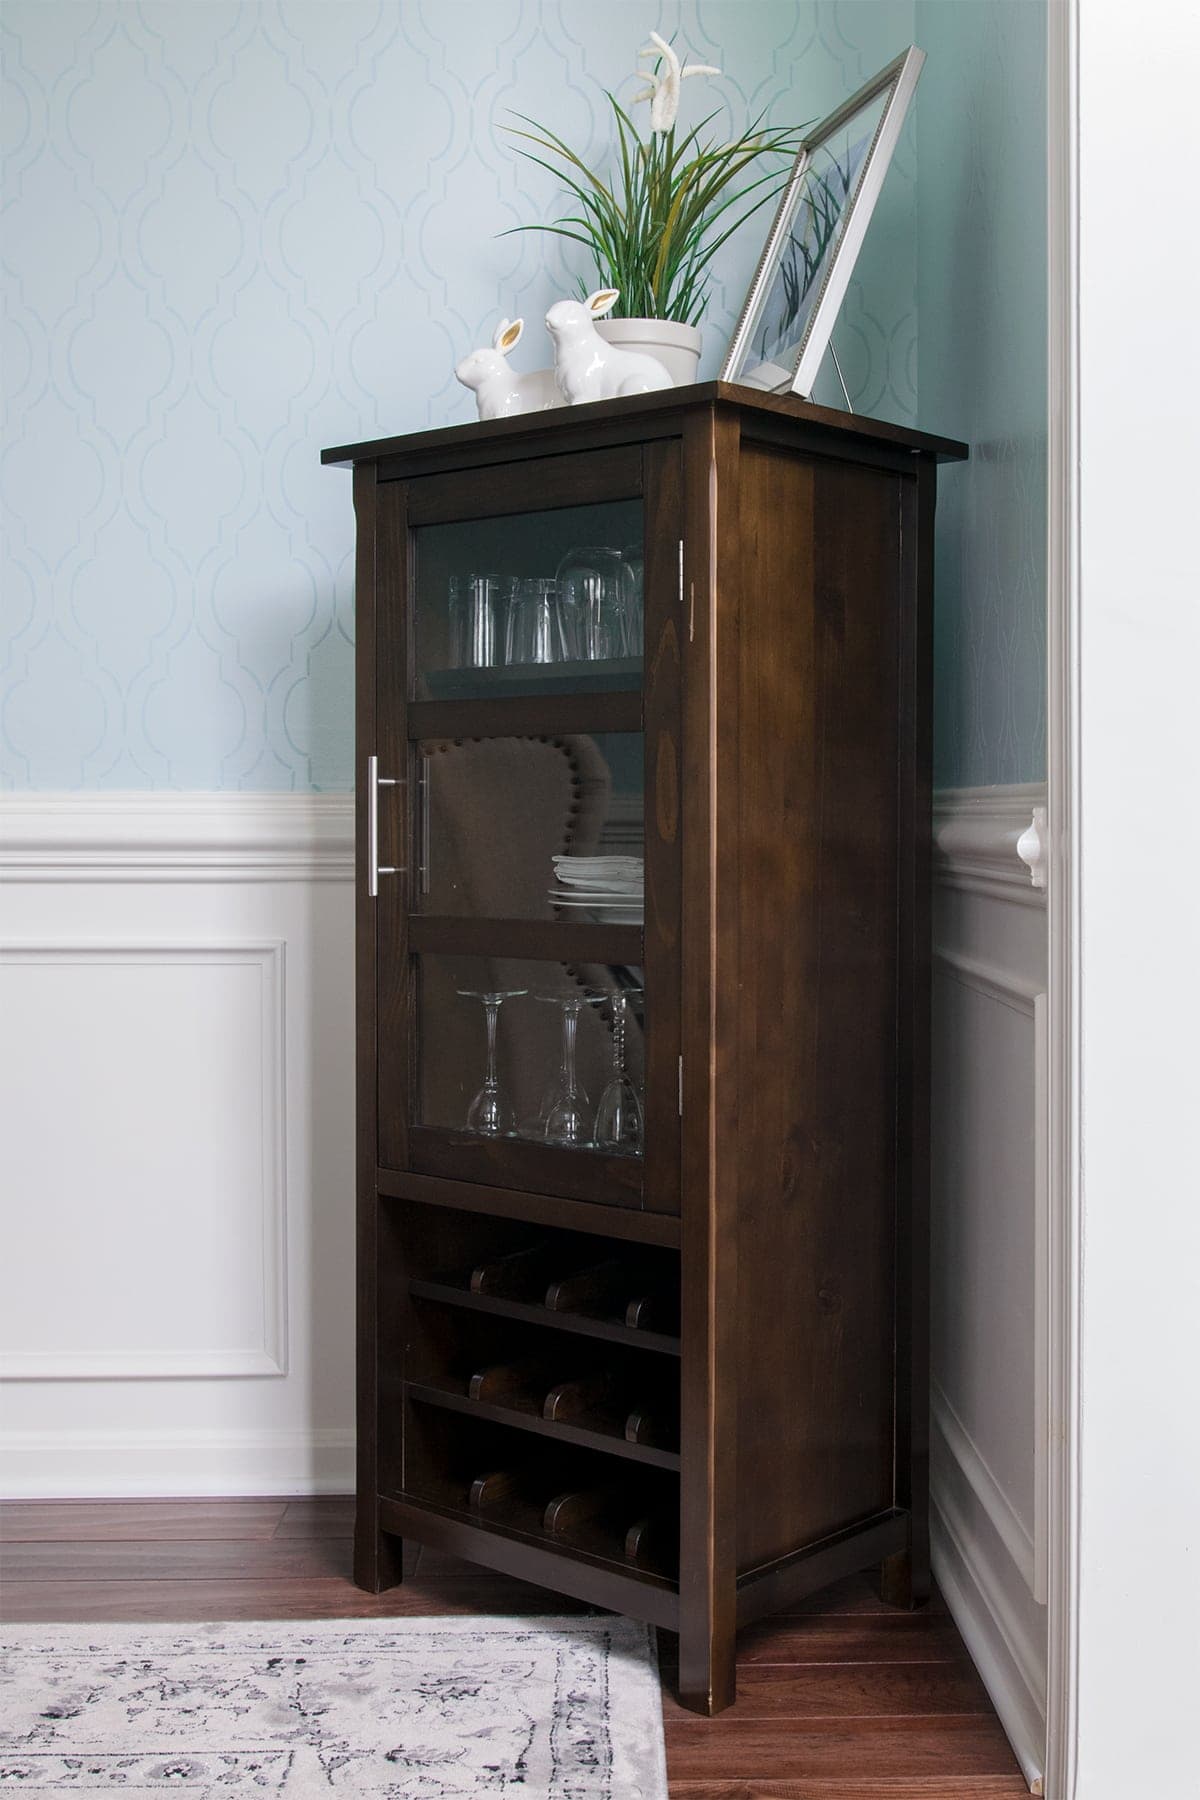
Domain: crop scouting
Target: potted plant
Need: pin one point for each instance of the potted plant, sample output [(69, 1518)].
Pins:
[(654, 224)]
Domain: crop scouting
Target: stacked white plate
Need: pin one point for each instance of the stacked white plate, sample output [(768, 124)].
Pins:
[(610, 888)]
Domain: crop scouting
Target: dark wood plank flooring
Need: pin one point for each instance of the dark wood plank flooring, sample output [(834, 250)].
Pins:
[(844, 1699)]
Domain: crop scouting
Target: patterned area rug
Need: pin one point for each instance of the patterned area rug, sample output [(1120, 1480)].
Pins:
[(412, 1709)]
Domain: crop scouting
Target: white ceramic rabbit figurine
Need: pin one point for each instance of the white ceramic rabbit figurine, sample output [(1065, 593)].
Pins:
[(588, 368), (499, 390)]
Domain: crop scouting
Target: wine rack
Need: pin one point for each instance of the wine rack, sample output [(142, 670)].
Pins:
[(642, 1314), (540, 1393)]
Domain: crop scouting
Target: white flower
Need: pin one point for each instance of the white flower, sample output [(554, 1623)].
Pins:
[(663, 91)]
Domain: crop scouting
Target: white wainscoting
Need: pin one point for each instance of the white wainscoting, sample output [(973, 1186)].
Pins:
[(989, 1439), (176, 1144), (178, 1199)]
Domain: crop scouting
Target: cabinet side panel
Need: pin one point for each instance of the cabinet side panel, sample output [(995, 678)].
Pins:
[(816, 1139), (376, 1555)]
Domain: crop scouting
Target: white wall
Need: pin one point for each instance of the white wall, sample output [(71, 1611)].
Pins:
[(1138, 862), (176, 1069)]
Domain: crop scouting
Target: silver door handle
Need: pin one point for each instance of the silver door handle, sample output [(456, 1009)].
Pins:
[(374, 782)]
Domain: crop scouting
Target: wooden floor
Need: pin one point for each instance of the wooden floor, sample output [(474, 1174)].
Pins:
[(843, 1700)]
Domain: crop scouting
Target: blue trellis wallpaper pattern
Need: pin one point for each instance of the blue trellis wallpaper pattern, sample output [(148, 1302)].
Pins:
[(236, 232), (981, 306)]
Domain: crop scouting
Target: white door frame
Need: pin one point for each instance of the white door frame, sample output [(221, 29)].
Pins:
[(1063, 1252), (1123, 628)]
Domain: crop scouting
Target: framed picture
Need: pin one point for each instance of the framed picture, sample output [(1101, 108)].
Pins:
[(805, 268)]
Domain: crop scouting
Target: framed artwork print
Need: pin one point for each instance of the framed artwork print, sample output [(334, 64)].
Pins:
[(805, 268)]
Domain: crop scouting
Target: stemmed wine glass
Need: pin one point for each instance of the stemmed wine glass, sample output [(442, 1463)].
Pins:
[(489, 1112), (569, 1117), (620, 1127)]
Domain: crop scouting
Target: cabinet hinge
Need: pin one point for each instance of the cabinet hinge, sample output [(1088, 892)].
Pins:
[(681, 1087)]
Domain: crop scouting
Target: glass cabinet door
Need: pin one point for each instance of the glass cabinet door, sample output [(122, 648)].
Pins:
[(520, 993), (531, 603)]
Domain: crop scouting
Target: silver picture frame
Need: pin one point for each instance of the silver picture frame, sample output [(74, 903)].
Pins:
[(802, 276)]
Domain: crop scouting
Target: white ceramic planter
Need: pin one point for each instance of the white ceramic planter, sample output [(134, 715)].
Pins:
[(676, 346)]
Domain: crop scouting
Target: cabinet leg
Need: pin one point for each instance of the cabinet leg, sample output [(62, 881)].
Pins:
[(378, 1557), (904, 1579), (707, 1670)]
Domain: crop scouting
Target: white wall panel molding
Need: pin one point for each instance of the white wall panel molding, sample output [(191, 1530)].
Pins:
[(111, 1009), (976, 834), (991, 980), (1010, 1660), (177, 1142), (197, 836), (957, 1443), (86, 1464), (990, 1433)]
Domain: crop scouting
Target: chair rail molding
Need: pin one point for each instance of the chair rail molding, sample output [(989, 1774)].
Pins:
[(195, 836), (990, 840), (176, 1091)]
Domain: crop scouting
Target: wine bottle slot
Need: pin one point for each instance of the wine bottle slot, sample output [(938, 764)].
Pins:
[(588, 1289), (569, 1399), (520, 1275), (567, 1512), (504, 1381), (490, 1489)]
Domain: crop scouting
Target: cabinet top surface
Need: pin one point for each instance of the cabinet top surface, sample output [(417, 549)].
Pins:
[(532, 432)]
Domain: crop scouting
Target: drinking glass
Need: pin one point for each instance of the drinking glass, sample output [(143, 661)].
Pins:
[(489, 1112), (620, 1127), (474, 621), (592, 592), (633, 569), (535, 625), (569, 1118), (458, 610)]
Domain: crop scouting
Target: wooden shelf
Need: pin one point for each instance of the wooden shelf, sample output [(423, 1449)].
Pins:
[(447, 1292), (597, 1580), (548, 940), (520, 715), (623, 1223), (589, 1176), (607, 1436), (597, 1542), (614, 675)]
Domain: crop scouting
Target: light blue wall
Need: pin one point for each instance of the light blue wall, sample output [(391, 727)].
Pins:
[(981, 304), (236, 233)]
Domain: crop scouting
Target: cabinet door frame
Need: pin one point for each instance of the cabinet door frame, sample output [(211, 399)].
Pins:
[(391, 723)]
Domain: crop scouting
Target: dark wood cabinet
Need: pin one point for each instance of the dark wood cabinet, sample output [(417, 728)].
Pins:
[(681, 1375)]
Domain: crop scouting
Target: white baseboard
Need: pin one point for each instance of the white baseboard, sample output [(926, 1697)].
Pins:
[(955, 1442), (153, 1464)]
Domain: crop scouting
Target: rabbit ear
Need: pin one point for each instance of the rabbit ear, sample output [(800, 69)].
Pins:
[(508, 336), (499, 332), (599, 302)]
